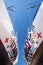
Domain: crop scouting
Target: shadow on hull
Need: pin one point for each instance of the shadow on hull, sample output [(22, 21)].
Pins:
[(4, 60), (38, 56)]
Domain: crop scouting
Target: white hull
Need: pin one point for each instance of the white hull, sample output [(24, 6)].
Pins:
[(6, 28)]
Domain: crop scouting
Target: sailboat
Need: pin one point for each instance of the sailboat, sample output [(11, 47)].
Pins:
[(34, 43), (8, 38)]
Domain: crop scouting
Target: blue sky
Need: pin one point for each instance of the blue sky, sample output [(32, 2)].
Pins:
[(21, 20)]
